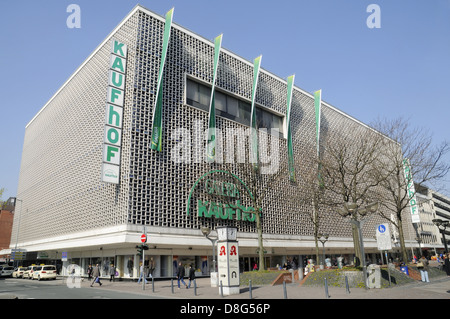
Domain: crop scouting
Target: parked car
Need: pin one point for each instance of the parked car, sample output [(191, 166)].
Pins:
[(7, 271), (45, 272), (29, 272), (18, 273)]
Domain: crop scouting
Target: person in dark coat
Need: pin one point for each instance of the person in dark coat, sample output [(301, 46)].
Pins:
[(191, 275), (89, 272), (96, 275), (180, 275), (447, 264), (112, 273)]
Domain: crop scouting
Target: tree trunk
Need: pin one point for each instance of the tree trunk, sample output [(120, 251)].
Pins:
[(316, 230), (357, 246), (317, 251), (260, 243), (402, 241)]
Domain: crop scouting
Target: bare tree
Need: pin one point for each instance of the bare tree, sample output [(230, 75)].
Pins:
[(348, 171), (427, 166), (260, 183), (308, 192)]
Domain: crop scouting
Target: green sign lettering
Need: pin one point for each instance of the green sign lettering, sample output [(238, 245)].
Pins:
[(114, 117), (111, 150), (112, 135), (118, 64), (118, 48), (238, 212), (117, 79)]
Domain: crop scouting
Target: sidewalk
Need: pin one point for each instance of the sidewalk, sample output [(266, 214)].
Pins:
[(438, 289)]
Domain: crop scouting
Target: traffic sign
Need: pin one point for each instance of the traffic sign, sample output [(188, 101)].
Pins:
[(143, 238), (384, 237), (18, 254)]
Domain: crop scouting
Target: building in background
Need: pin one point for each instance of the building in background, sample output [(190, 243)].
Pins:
[(6, 223), (433, 205), (90, 183)]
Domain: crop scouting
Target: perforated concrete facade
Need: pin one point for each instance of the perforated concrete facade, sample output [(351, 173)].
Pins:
[(60, 181)]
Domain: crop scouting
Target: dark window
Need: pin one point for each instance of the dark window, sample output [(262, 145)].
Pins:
[(199, 95)]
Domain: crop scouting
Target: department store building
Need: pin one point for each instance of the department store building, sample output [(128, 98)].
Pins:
[(90, 181)]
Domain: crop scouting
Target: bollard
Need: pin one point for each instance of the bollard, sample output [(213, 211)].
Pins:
[(347, 288), (221, 289), (171, 284), (284, 290), (250, 289), (195, 287), (153, 284), (389, 274), (326, 289)]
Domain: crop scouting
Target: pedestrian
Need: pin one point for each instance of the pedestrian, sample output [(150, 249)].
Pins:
[(72, 271), (89, 272), (96, 275), (340, 262), (112, 273), (180, 275), (191, 275), (422, 265), (152, 267), (142, 273), (447, 264)]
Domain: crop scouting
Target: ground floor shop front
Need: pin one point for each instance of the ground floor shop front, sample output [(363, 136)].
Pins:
[(164, 264), (116, 247)]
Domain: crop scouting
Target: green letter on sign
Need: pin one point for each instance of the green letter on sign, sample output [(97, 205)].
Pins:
[(114, 116), (118, 64), (112, 135), (119, 48), (112, 154)]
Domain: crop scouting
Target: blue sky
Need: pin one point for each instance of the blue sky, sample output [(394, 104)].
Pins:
[(400, 69)]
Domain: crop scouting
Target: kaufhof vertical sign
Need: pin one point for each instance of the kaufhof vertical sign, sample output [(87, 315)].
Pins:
[(112, 142), (415, 218)]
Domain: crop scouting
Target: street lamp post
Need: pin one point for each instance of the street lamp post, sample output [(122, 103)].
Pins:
[(323, 238), (442, 226), (351, 209), (206, 231)]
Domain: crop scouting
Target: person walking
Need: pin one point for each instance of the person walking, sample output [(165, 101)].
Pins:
[(112, 273), (447, 264), (152, 267), (89, 272), (422, 265), (180, 275), (142, 273), (191, 275), (96, 275)]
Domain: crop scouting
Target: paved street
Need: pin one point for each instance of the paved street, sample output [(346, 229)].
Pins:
[(267, 301), (58, 289), (440, 289)]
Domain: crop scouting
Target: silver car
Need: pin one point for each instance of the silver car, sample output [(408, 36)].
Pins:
[(6, 271)]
